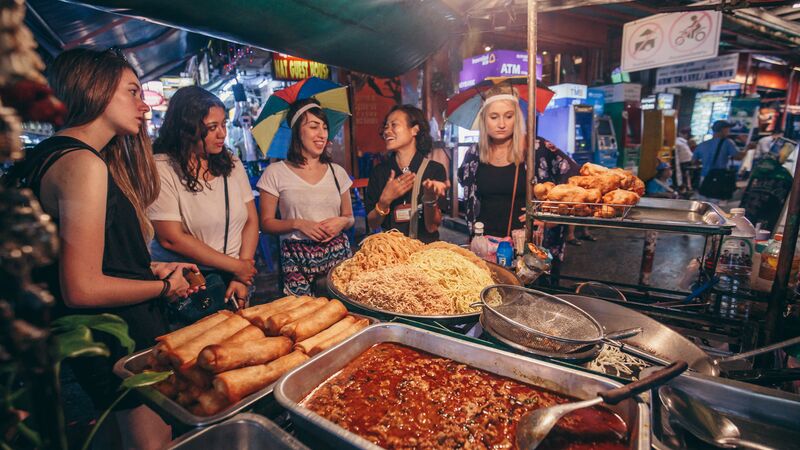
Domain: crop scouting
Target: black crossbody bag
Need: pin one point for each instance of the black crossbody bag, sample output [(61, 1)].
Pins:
[(719, 183)]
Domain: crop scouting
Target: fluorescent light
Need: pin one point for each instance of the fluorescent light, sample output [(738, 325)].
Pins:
[(796, 5), (770, 59), (488, 48), (797, 68)]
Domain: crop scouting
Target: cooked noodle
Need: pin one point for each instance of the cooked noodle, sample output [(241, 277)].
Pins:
[(401, 289), (614, 361), (460, 279), (377, 251)]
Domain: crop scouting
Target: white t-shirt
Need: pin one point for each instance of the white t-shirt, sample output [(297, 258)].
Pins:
[(684, 151), (297, 199), (202, 213), (764, 146)]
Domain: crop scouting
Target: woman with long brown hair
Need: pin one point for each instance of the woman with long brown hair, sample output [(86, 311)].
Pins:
[(96, 177)]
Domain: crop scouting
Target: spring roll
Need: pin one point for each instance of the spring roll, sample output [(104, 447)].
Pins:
[(285, 302), (196, 376), (276, 322), (179, 337), (184, 356), (210, 402), (307, 344), (308, 326), (221, 358), (245, 335), (260, 319), (167, 387), (239, 383), (330, 342)]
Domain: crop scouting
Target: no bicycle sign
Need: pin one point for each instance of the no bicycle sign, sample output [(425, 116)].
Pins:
[(667, 39)]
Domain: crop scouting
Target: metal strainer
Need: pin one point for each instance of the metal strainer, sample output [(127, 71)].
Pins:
[(541, 321)]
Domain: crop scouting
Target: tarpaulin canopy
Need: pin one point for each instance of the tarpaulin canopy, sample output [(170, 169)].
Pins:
[(379, 37)]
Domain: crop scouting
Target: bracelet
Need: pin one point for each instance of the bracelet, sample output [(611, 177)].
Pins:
[(381, 213), (429, 202), (165, 289)]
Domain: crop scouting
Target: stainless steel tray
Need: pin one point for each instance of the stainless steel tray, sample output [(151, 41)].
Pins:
[(500, 274), (244, 431), (172, 410), (766, 416), (295, 385), (657, 214)]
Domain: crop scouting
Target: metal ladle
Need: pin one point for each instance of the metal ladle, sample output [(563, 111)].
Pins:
[(534, 425), (703, 422)]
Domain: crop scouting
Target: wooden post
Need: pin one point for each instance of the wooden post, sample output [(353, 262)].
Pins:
[(531, 155)]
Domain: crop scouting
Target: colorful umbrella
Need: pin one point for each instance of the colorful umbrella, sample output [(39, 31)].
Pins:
[(271, 131), (463, 108)]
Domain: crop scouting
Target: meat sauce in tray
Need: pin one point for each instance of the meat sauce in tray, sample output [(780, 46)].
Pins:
[(398, 397)]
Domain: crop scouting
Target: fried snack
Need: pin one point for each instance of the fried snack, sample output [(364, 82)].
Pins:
[(568, 193), (541, 190), (239, 383), (196, 377), (621, 197), (247, 334), (277, 321), (637, 186), (308, 326), (177, 338), (260, 318), (184, 356), (605, 182), (209, 403), (341, 336), (589, 169), (626, 177), (594, 196), (220, 358), (608, 212), (167, 387), (307, 344), (276, 305)]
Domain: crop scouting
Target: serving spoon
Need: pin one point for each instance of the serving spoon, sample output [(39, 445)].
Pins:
[(534, 425)]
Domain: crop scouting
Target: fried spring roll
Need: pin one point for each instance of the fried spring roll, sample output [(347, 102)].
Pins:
[(196, 376), (239, 383), (260, 319), (220, 358), (167, 387), (328, 343), (276, 322), (245, 335), (284, 302), (308, 326), (210, 402), (184, 356), (177, 338), (307, 344)]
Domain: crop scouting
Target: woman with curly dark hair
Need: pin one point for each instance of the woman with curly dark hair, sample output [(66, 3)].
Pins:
[(205, 212), (404, 191)]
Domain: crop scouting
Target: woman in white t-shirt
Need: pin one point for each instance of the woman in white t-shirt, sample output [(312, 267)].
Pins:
[(205, 212), (313, 197)]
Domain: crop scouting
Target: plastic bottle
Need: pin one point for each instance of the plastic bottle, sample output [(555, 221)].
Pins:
[(769, 263), (505, 254), (736, 257), (479, 244)]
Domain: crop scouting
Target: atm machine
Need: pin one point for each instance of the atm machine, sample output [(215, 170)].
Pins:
[(570, 128), (606, 149)]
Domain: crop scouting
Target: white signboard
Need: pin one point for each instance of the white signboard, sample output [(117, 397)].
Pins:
[(722, 68), (667, 39)]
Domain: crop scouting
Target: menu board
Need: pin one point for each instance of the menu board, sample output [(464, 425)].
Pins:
[(709, 107)]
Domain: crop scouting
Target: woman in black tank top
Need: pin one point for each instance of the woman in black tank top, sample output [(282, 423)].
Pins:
[(95, 178)]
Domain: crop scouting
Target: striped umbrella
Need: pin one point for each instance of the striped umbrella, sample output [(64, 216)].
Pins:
[(463, 108), (271, 130)]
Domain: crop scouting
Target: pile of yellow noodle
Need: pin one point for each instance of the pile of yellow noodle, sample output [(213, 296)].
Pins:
[(396, 273)]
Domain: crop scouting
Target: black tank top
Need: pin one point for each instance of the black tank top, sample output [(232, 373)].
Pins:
[(125, 253)]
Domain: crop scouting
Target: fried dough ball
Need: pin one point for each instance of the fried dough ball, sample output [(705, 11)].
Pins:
[(621, 197), (592, 169), (604, 182)]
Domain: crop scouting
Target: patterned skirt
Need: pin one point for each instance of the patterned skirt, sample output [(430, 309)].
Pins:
[(303, 261)]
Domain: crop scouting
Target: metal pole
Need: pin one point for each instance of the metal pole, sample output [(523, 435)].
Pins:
[(531, 159), (777, 299)]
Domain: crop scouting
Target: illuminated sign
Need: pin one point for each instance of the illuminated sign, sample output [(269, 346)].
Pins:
[(285, 67), (152, 98)]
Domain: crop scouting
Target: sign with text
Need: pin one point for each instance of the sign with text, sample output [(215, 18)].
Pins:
[(372, 102), (722, 68), (497, 63), (667, 39), (286, 67)]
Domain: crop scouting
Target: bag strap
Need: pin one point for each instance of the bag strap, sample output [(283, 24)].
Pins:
[(513, 200), (335, 180), (414, 225), (716, 153), (227, 215)]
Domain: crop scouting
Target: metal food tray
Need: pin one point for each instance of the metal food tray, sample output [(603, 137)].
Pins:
[(500, 274), (135, 363), (766, 416), (250, 431), (657, 214), (294, 386)]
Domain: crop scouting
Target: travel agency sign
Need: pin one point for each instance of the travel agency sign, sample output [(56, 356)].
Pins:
[(667, 39)]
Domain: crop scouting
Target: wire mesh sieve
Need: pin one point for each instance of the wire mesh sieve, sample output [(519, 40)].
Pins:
[(538, 320)]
